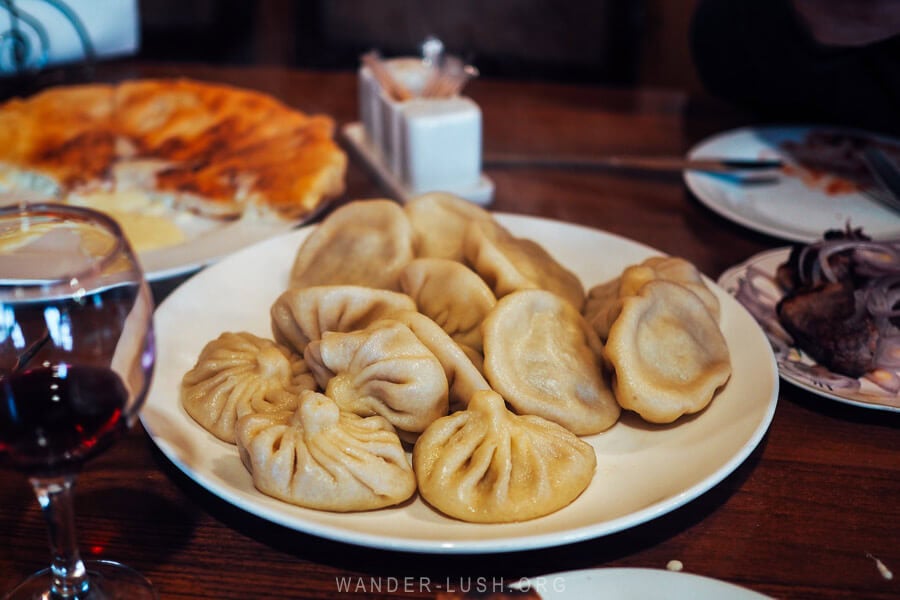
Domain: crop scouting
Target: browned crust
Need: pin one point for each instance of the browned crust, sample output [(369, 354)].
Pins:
[(222, 148)]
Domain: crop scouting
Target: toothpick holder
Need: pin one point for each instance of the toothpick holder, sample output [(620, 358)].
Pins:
[(422, 144)]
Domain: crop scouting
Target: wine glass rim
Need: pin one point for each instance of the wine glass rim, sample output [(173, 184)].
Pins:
[(80, 213)]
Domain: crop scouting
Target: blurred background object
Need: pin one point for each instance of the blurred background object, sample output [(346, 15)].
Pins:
[(214, 31), (827, 61), (35, 34), (617, 42)]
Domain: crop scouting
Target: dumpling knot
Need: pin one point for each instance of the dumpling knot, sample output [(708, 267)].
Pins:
[(273, 364), (238, 374), (317, 413), (487, 464)]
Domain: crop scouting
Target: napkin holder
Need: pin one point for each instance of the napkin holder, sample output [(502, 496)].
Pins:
[(422, 144)]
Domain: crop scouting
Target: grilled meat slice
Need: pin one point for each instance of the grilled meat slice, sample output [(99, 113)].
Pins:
[(794, 273), (826, 325)]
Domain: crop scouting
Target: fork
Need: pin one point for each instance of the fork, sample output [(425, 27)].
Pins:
[(886, 174)]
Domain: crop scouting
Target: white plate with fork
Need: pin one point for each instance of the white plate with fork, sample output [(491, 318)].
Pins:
[(799, 204)]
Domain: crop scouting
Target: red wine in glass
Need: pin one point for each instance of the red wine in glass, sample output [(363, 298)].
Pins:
[(76, 357), (47, 427)]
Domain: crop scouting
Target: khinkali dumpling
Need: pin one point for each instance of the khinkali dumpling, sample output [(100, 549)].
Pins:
[(302, 314), (463, 375), (604, 300), (381, 370), (240, 373), (544, 359), (488, 465), (322, 458), (667, 351), (439, 221), (508, 264), (601, 306), (452, 295), (365, 242), (670, 268)]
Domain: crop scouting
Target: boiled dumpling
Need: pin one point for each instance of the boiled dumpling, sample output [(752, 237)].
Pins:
[(365, 242), (509, 264), (488, 465), (604, 300), (667, 352), (601, 306), (439, 221), (463, 375), (544, 359), (303, 314), (452, 295), (240, 373), (381, 370), (670, 268), (322, 458)]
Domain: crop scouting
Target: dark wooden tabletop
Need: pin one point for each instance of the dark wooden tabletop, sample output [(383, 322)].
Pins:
[(805, 516)]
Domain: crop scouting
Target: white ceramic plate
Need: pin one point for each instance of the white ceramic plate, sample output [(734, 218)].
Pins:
[(208, 241), (634, 584), (794, 365), (643, 471), (788, 208)]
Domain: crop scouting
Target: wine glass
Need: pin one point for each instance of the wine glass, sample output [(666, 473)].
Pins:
[(76, 356)]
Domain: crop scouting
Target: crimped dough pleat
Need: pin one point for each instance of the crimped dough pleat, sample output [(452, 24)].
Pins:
[(238, 374), (300, 315), (488, 465), (320, 457)]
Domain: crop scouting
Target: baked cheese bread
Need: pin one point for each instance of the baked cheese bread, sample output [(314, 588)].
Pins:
[(212, 149)]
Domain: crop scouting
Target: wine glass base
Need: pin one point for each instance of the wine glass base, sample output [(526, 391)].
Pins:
[(109, 581)]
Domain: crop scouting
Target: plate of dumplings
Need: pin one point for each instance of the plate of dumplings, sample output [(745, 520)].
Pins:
[(433, 377)]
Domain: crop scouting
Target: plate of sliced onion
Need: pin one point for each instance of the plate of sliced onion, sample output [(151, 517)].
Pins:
[(831, 311)]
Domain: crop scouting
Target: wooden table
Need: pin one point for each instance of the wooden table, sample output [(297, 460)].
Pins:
[(805, 516)]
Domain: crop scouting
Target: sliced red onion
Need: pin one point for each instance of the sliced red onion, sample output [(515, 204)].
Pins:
[(760, 303), (875, 269), (883, 296), (877, 259)]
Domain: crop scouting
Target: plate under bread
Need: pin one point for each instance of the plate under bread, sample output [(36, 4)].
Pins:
[(643, 471)]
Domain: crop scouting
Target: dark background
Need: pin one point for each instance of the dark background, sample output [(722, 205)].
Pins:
[(617, 42)]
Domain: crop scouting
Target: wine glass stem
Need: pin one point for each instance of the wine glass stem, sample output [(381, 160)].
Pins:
[(68, 577)]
